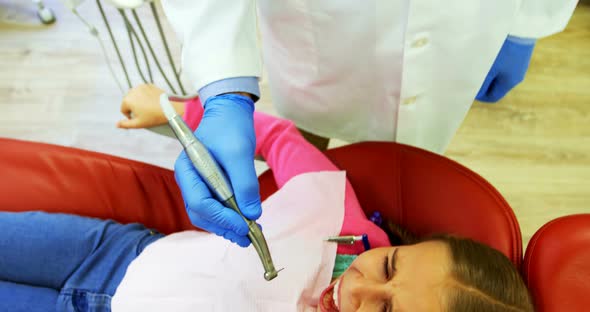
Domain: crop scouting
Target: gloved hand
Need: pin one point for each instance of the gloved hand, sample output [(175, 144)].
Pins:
[(508, 69), (227, 130)]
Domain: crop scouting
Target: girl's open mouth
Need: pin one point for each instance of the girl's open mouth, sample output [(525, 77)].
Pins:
[(329, 297)]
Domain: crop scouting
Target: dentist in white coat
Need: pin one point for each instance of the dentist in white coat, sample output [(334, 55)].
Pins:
[(392, 70)]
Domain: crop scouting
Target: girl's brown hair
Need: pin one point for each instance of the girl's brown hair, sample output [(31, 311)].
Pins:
[(482, 278)]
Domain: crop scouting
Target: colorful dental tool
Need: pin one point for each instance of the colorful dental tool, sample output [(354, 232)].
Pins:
[(350, 239), (216, 180)]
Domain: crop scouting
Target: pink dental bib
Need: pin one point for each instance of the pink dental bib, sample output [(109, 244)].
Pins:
[(197, 271)]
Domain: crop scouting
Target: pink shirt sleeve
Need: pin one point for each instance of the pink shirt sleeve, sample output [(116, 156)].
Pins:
[(193, 112), (288, 154)]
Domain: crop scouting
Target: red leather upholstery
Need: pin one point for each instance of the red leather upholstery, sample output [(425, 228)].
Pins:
[(420, 190), (425, 193), (557, 265), (35, 176)]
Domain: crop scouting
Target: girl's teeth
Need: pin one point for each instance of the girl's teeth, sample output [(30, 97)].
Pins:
[(335, 293)]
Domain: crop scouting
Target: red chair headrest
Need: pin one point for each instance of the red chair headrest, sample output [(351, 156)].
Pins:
[(51, 178), (556, 265), (425, 193)]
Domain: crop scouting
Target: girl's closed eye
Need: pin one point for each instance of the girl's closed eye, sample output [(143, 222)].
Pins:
[(389, 265), (388, 272), (386, 267)]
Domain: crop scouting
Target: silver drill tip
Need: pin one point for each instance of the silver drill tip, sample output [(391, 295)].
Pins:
[(271, 275)]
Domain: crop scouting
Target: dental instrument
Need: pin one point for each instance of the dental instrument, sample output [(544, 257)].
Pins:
[(216, 180), (139, 41), (141, 50), (350, 239)]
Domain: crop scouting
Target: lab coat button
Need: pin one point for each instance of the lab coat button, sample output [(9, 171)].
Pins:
[(409, 100), (418, 43)]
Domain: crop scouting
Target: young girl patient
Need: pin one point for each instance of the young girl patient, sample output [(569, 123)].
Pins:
[(73, 263)]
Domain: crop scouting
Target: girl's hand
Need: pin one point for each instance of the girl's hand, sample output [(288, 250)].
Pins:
[(142, 108)]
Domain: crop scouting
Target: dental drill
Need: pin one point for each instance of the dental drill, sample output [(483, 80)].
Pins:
[(215, 179)]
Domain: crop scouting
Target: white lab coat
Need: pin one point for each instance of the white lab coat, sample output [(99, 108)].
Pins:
[(393, 70)]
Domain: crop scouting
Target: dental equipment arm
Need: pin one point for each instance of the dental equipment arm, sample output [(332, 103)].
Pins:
[(216, 180)]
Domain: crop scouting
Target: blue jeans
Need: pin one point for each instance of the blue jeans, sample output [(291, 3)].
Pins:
[(59, 262)]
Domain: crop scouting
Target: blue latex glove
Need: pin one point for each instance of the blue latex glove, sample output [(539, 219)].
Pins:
[(227, 130), (508, 70)]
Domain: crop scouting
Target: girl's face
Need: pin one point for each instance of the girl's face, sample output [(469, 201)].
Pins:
[(404, 278)]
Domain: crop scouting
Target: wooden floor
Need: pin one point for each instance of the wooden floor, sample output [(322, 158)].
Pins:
[(534, 145)]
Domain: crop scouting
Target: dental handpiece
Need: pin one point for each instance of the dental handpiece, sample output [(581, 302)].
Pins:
[(216, 180)]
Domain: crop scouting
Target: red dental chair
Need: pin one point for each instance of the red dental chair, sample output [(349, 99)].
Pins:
[(557, 265), (419, 190)]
